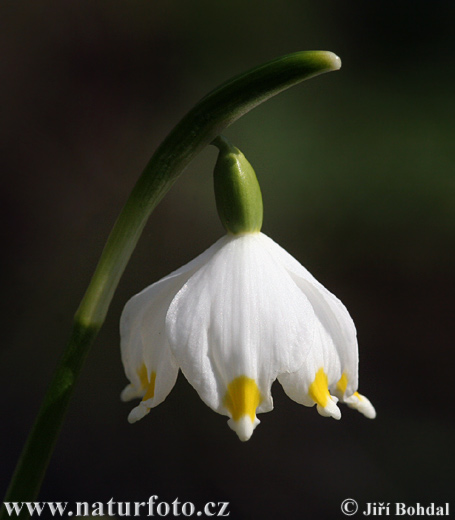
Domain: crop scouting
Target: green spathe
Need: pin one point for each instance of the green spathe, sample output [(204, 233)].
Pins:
[(237, 192)]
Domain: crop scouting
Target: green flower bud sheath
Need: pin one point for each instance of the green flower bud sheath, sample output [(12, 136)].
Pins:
[(215, 112), (237, 192)]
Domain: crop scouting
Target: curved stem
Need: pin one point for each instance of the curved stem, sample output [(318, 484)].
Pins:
[(215, 112), (198, 128)]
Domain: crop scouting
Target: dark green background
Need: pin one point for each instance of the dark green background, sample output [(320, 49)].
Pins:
[(358, 179)]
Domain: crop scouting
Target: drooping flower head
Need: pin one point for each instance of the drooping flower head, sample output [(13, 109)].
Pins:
[(239, 316)]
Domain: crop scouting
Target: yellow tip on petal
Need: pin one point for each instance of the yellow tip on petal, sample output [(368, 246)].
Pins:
[(143, 376), (342, 384), (242, 398), (147, 390), (319, 392), (319, 389), (151, 388), (147, 384)]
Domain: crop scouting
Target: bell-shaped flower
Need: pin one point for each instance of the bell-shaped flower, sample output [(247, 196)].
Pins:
[(236, 318)]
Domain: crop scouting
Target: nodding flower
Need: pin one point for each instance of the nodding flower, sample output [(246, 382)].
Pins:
[(239, 316)]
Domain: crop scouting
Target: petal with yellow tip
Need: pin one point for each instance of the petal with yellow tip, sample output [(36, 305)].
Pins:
[(331, 314), (362, 404), (239, 314), (310, 384), (319, 392), (242, 400), (147, 358)]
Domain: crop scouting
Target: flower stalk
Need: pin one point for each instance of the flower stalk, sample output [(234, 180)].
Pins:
[(198, 128)]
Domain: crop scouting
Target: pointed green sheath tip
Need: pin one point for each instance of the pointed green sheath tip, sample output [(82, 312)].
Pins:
[(333, 61), (237, 192)]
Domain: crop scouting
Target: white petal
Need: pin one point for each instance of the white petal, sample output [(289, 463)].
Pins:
[(138, 413), (143, 342), (298, 385), (131, 392), (330, 409), (362, 404), (244, 427), (330, 312), (240, 315), (143, 338)]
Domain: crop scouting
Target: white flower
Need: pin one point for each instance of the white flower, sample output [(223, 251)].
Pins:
[(236, 318)]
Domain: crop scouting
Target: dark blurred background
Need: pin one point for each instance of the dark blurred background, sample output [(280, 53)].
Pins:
[(358, 178)]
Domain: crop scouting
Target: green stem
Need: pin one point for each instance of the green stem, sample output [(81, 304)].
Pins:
[(198, 128)]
